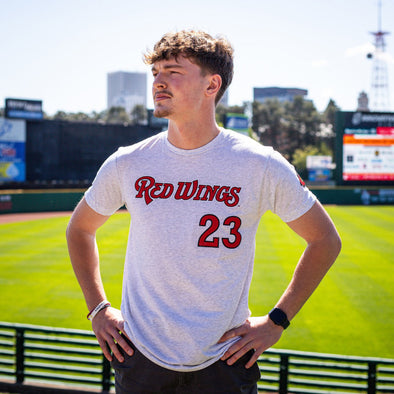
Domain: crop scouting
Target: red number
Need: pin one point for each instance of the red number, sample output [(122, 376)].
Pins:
[(236, 221), (233, 221), (202, 241)]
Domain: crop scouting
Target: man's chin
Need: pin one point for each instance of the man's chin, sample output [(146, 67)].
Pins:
[(161, 113)]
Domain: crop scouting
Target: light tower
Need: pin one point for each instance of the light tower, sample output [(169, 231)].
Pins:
[(380, 99)]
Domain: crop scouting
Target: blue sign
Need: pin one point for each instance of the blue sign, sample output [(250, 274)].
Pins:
[(237, 122), (12, 150)]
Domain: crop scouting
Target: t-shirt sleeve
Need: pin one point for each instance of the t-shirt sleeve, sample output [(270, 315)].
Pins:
[(289, 197), (105, 194)]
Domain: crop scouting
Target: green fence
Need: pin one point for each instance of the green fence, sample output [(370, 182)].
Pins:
[(40, 359), (19, 201)]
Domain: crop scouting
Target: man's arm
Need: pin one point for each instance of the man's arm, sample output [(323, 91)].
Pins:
[(323, 247), (82, 246)]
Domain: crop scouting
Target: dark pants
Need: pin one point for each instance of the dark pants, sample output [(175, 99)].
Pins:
[(138, 375)]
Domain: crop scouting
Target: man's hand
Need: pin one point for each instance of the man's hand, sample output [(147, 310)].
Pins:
[(257, 333), (108, 325)]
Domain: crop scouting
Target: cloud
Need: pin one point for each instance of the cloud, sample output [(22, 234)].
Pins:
[(367, 48), (362, 49), (387, 57), (319, 63)]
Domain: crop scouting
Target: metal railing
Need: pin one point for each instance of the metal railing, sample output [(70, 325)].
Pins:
[(48, 360), (284, 371), (51, 357)]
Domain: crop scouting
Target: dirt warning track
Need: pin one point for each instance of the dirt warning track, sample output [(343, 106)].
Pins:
[(23, 217)]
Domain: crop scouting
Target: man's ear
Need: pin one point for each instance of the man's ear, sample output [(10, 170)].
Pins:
[(215, 82)]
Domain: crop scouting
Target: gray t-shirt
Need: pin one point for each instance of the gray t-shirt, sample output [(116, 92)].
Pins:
[(194, 217)]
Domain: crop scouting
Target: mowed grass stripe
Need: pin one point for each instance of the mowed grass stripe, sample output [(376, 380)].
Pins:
[(112, 240), (376, 217), (350, 312), (286, 247), (336, 324), (357, 290), (364, 272), (366, 250), (41, 287), (363, 224), (268, 267)]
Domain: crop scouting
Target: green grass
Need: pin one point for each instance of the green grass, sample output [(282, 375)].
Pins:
[(350, 313)]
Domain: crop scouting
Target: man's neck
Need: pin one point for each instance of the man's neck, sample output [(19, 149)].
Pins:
[(192, 135)]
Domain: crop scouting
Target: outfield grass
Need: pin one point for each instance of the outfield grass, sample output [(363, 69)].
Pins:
[(350, 313)]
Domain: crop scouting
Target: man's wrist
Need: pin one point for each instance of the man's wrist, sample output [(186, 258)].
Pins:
[(279, 317), (102, 305)]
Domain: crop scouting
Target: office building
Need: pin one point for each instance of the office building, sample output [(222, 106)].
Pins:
[(281, 94), (126, 89), (224, 99)]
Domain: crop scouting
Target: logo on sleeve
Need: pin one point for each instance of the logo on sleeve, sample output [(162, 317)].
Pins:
[(302, 183)]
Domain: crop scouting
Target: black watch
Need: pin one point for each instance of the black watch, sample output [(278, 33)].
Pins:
[(279, 317)]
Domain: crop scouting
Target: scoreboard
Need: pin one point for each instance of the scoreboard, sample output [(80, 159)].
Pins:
[(365, 147)]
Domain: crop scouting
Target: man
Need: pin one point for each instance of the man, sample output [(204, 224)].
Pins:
[(195, 194)]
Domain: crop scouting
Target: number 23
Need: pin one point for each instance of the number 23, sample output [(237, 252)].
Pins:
[(233, 221)]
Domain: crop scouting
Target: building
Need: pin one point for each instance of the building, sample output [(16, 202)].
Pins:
[(281, 94), (363, 102), (126, 89), (224, 99)]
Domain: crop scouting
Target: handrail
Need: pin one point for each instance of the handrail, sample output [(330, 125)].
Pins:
[(68, 360)]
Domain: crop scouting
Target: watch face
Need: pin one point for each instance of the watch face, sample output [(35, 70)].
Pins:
[(279, 317)]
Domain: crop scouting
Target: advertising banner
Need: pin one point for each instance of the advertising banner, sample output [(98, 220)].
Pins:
[(23, 109), (12, 150), (237, 122)]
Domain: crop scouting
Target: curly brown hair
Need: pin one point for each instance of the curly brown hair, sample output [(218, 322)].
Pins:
[(213, 55)]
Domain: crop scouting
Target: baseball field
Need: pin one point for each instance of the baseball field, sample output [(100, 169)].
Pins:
[(351, 313)]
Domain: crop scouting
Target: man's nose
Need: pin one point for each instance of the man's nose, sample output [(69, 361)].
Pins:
[(159, 81)]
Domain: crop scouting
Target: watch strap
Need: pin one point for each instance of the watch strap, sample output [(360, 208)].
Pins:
[(279, 317)]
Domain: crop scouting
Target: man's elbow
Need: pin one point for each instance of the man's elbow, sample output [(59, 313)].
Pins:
[(68, 231), (335, 243), (74, 231)]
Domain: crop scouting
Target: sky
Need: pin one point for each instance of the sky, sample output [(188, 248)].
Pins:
[(60, 51)]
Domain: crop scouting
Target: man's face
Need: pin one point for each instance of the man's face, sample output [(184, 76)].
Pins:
[(178, 87)]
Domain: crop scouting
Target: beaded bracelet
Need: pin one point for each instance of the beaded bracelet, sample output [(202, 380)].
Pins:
[(102, 305)]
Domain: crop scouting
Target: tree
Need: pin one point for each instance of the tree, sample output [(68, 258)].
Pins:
[(303, 124), (73, 116), (329, 112), (81, 117), (99, 117), (117, 115), (300, 156), (60, 115), (113, 115), (267, 122), (287, 126), (139, 114), (327, 128)]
